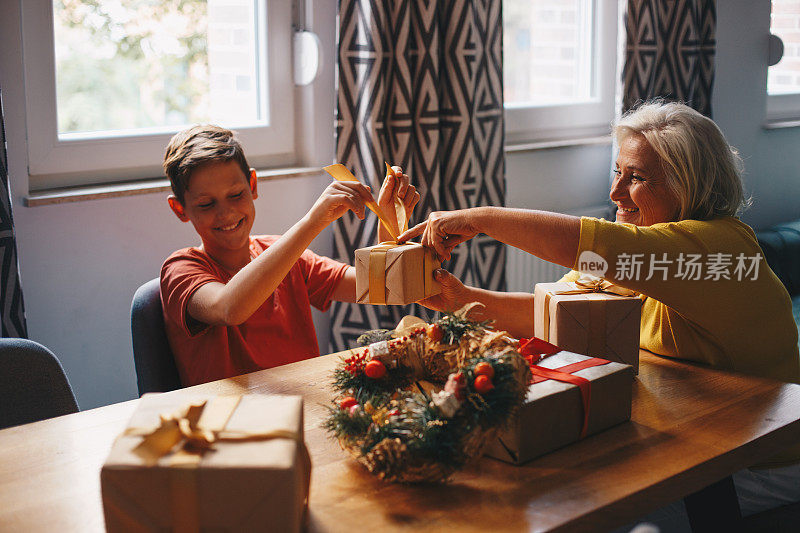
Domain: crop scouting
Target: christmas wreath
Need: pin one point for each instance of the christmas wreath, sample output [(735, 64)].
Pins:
[(422, 400)]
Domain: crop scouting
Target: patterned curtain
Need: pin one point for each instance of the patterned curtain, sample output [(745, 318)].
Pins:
[(420, 85), (12, 312), (669, 52)]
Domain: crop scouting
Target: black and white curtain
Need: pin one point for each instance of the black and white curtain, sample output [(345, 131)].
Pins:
[(12, 311), (420, 85), (669, 52)]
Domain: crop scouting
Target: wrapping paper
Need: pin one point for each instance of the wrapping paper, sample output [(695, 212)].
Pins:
[(580, 320), (392, 274), (246, 485), (553, 413)]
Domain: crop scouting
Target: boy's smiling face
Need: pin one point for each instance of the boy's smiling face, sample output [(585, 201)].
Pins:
[(219, 203)]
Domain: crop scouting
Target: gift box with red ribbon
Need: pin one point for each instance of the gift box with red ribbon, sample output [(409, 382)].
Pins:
[(209, 463), (590, 316), (571, 396)]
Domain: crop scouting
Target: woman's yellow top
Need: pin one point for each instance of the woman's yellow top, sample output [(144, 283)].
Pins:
[(708, 294)]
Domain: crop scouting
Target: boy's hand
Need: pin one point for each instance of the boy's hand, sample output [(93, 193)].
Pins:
[(339, 198), (396, 185)]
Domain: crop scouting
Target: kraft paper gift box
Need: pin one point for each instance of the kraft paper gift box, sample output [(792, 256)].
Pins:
[(553, 414), (394, 274), (253, 478), (598, 324)]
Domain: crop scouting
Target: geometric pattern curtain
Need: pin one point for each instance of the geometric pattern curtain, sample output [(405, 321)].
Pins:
[(420, 85), (12, 311), (669, 52)]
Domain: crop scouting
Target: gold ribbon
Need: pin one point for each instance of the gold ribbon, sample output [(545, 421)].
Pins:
[(377, 271), (186, 435), (340, 173), (597, 313)]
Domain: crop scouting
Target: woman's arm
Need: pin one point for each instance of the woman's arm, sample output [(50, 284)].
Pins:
[(511, 311), (551, 236)]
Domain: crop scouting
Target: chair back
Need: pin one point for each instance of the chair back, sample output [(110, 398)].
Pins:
[(33, 385), (155, 364)]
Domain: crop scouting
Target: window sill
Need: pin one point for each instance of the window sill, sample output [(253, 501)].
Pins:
[(781, 124), (133, 188), (561, 143)]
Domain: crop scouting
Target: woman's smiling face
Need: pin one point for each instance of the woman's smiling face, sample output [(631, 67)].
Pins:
[(640, 187)]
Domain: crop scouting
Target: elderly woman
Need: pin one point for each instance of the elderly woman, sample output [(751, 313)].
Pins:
[(708, 295)]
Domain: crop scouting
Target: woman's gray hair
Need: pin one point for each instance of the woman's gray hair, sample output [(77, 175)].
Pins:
[(703, 170)]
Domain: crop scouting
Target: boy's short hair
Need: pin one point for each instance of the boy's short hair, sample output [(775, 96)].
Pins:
[(196, 146)]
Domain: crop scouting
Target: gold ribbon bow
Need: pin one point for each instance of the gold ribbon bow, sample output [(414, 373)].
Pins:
[(597, 313), (589, 283), (186, 435)]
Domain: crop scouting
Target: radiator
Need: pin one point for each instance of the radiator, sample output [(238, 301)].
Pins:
[(524, 270)]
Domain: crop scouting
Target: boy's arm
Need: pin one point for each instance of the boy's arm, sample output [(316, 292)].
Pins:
[(224, 304), (345, 291)]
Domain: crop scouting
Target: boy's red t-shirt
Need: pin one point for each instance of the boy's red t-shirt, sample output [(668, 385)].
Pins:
[(281, 331)]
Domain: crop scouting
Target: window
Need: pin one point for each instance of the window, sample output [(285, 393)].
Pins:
[(783, 78), (559, 65), (109, 82)]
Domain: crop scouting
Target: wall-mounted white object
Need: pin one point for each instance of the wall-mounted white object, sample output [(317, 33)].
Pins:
[(775, 50), (307, 57)]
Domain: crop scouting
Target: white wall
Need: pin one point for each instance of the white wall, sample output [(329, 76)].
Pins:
[(81, 262), (771, 157)]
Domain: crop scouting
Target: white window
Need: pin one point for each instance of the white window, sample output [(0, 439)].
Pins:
[(559, 68), (783, 78), (108, 83)]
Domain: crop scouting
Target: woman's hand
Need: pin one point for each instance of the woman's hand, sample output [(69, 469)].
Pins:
[(396, 185), (444, 230), (454, 295)]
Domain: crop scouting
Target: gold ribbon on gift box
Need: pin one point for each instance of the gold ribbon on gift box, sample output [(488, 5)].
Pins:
[(185, 437), (587, 284), (377, 271)]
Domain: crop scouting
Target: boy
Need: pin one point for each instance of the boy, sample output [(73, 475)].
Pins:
[(240, 303)]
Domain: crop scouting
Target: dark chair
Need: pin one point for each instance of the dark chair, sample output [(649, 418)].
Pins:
[(781, 246), (33, 385), (155, 364)]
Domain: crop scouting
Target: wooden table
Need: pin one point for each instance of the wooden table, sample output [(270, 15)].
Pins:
[(690, 427)]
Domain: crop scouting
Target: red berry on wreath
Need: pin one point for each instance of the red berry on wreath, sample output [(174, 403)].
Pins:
[(435, 332), (484, 369), (483, 384), (347, 402), (375, 369), (354, 409)]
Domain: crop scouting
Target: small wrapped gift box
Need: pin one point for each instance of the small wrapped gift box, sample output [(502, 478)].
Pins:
[(392, 274), (221, 463), (571, 396), (584, 318)]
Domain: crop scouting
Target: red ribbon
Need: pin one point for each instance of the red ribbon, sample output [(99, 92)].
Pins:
[(534, 350)]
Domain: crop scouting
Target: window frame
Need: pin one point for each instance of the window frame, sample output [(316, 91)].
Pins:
[(534, 123), (83, 160), (783, 107), (780, 107)]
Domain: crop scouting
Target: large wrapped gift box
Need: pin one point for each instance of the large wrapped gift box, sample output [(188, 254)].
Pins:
[(554, 415), (395, 274), (581, 320), (253, 478)]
